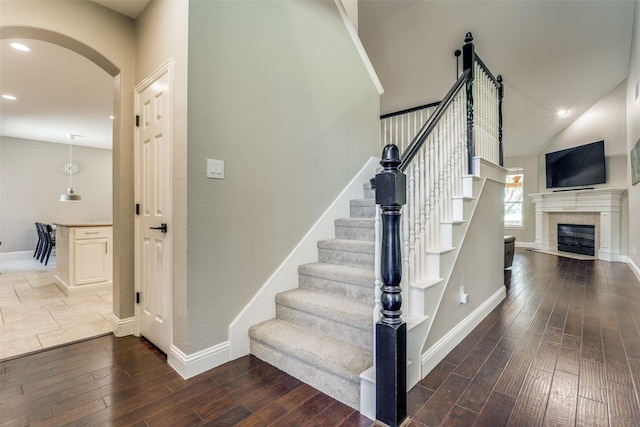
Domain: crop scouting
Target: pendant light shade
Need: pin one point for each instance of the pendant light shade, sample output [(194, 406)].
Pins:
[(70, 195)]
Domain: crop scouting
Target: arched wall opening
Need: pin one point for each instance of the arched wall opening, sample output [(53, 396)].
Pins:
[(116, 56)]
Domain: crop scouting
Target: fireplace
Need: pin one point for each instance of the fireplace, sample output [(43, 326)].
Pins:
[(577, 238), (577, 207)]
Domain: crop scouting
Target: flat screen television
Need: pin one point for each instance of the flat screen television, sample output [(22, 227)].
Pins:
[(577, 166)]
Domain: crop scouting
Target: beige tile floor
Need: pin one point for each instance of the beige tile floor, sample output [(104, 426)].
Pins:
[(35, 314)]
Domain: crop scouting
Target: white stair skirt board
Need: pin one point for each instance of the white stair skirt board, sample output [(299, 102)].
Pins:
[(190, 365), (262, 306), (440, 349), (122, 327)]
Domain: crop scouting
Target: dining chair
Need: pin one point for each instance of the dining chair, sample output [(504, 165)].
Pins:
[(50, 242)]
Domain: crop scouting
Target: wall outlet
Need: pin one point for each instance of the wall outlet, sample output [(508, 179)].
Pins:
[(464, 298), (634, 251)]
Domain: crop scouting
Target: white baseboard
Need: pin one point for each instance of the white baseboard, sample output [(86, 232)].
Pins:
[(262, 306), (440, 349), (527, 245), (190, 365), (122, 327), (10, 256), (634, 267)]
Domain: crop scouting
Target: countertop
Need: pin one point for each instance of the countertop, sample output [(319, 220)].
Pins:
[(85, 224)]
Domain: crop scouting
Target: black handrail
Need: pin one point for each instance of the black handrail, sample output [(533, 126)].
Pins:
[(409, 110), (425, 131)]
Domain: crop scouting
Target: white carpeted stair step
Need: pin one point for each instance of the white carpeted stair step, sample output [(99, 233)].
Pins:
[(338, 280), (352, 253), (343, 319), (328, 364), (355, 229), (362, 208)]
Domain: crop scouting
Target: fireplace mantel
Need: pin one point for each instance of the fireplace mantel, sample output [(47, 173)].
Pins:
[(607, 202)]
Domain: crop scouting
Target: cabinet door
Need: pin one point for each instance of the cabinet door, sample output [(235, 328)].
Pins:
[(92, 261)]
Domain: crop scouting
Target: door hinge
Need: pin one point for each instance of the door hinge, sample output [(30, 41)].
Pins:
[(137, 297), (137, 208), (137, 120)]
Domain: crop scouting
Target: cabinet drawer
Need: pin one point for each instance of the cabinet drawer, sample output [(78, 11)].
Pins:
[(91, 233)]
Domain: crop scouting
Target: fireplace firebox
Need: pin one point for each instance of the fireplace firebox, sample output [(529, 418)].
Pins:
[(577, 238)]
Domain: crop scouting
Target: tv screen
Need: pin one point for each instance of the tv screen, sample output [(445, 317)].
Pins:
[(577, 166)]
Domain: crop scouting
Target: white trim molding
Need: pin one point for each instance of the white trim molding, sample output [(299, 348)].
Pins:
[(527, 245), (440, 349), (190, 365), (122, 327), (10, 256), (634, 267)]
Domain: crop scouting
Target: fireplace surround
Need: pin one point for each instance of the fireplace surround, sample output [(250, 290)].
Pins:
[(600, 207)]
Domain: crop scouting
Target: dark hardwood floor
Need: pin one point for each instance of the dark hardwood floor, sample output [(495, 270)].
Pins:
[(562, 349)]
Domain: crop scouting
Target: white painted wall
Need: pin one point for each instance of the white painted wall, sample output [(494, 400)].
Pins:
[(31, 183), (278, 91), (633, 136)]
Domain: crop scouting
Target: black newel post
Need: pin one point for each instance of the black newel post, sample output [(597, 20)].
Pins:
[(391, 331), (500, 96), (468, 60)]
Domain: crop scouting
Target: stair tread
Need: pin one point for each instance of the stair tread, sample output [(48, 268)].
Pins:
[(361, 246), (330, 354), (355, 222), (342, 310), (339, 273)]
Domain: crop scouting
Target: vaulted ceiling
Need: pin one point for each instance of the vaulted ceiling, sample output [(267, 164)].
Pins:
[(552, 54)]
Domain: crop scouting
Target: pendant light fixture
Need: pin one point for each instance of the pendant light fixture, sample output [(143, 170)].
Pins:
[(70, 169)]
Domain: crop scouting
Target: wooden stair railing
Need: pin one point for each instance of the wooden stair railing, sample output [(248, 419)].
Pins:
[(465, 124)]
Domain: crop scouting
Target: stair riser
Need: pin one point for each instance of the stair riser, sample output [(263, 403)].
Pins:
[(340, 388), (362, 338), (362, 211), (355, 233), (350, 259), (339, 289)]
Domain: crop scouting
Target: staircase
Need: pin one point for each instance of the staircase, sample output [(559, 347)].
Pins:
[(323, 330)]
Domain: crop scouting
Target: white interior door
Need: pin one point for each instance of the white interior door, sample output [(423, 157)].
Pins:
[(153, 196)]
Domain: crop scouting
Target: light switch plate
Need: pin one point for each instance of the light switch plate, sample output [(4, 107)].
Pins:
[(215, 169)]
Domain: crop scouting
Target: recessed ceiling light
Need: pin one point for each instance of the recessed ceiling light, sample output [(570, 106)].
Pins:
[(20, 46), (111, 117), (562, 113), (9, 97)]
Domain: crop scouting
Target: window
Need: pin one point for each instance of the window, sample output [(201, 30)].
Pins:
[(514, 198)]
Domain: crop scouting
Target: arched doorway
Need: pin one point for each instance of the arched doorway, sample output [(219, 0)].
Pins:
[(114, 53)]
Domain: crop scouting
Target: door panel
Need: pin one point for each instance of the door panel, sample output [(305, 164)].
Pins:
[(153, 193)]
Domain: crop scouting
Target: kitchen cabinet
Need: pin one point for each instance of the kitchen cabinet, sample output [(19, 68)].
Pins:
[(84, 258)]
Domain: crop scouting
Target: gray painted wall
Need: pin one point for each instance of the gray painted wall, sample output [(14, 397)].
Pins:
[(604, 120), (31, 183), (478, 267), (633, 137), (277, 91)]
